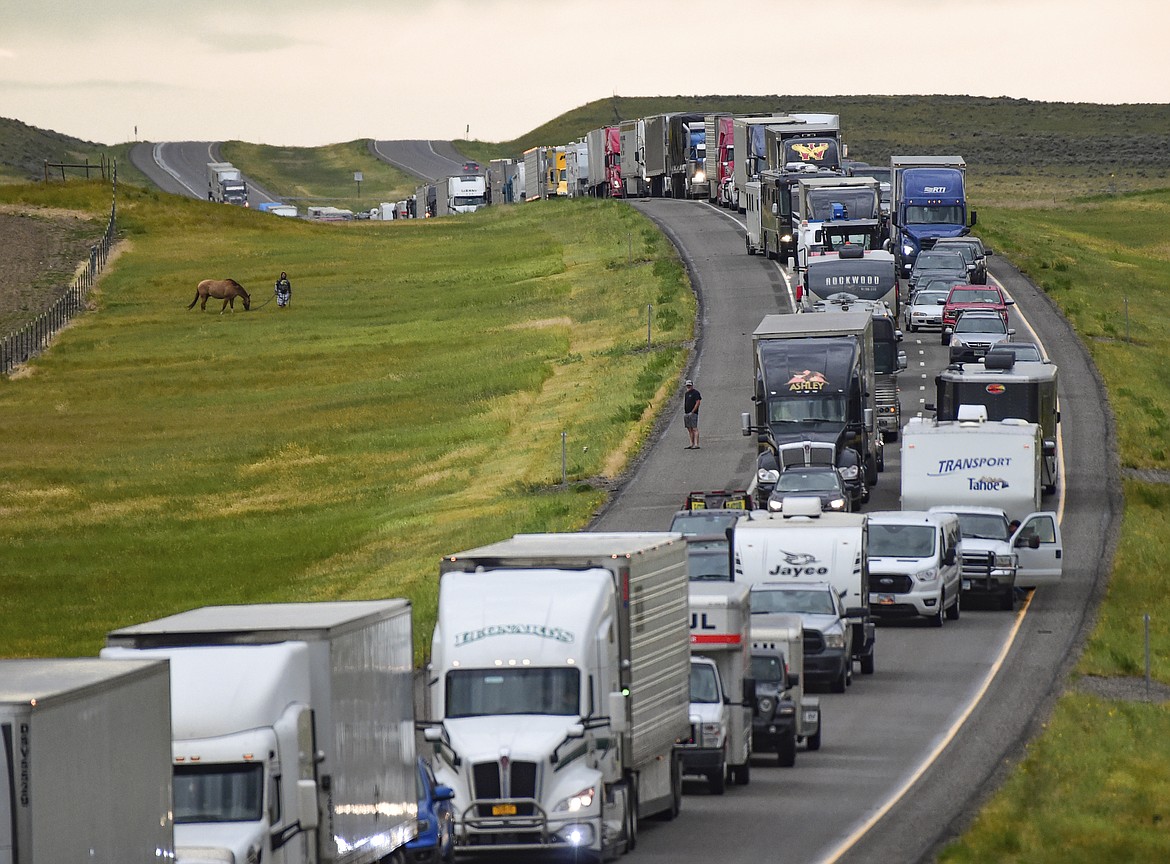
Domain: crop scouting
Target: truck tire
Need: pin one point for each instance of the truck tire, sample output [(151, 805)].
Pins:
[(748, 243), (867, 661), (936, 620), (741, 775), (717, 780), (676, 792), (840, 682), (632, 816), (814, 740), (871, 471), (786, 751), (1007, 600), (954, 611)]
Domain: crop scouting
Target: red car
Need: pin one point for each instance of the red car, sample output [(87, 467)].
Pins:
[(985, 297)]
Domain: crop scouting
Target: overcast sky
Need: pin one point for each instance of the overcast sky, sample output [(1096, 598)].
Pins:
[(312, 72)]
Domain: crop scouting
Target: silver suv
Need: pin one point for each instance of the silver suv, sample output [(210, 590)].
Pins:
[(975, 333)]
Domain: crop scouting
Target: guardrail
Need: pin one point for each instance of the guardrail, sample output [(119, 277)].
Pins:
[(34, 337)]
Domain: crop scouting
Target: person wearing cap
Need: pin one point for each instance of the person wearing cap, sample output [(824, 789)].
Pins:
[(691, 400)]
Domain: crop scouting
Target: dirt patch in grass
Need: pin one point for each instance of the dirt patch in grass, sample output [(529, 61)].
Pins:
[(40, 253)]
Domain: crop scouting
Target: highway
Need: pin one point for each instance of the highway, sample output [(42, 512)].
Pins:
[(910, 752)]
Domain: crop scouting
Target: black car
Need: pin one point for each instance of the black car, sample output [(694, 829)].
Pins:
[(978, 252), (812, 481)]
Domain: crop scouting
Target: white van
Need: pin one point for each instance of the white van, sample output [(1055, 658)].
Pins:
[(915, 565)]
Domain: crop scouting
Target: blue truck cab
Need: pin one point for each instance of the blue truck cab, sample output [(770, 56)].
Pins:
[(929, 202)]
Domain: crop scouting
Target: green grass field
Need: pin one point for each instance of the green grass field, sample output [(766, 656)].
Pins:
[(1095, 785), (409, 403)]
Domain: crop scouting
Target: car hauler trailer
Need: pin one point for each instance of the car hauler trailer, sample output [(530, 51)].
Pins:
[(293, 729), (559, 689)]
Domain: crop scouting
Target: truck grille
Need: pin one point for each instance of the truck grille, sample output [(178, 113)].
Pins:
[(890, 583), (490, 785), (978, 564), (814, 641)]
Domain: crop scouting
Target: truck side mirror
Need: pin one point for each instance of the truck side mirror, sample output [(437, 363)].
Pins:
[(775, 210), (856, 612), (867, 417), (307, 804), (974, 218), (745, 423), (793, 679), (617, 713), (949, 558), (902, 362)]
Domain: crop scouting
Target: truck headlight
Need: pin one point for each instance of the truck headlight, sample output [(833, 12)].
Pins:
[(837, 504), (849, 472), (775, 505), (907, 249), (927, 575), (700, 176), (834, 640), (765, 703), (580, 801), (713, 732), (1005, 562), (767, 475)]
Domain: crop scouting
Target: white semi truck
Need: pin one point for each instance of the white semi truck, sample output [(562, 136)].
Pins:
[(720, 744), (293, 738), (559, 680), (466, 193), (85, 761)]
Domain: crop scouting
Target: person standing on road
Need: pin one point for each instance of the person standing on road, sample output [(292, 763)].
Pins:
[(691, 400), (283, 290)]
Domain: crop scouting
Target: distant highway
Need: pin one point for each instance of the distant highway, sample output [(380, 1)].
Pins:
[(180, 167), (427, 160)]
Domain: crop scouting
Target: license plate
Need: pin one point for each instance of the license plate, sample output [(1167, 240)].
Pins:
[(503, 809), (810, 716), (885, 600), (966, 584)]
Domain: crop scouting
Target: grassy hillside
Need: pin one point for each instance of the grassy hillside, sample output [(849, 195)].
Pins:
[(322, 175), (409, 403), (24, 150)]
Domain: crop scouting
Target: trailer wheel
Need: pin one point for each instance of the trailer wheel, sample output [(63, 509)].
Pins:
[(632, 817), (814, 740)]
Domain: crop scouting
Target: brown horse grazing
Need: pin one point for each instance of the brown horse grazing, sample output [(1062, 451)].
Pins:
[(226, 290)]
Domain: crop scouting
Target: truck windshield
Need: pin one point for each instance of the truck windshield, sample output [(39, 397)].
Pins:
[(218, 793), (707, 561), (827, 409), (491, 692), (983, 526), (854, 204), (807, 602), (901, 541), (766, 667), (934, 215), (704, 684)]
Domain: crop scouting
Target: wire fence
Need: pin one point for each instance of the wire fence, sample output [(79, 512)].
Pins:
[(34, 337)]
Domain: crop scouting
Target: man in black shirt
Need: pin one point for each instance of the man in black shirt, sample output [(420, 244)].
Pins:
[(691, 400)]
